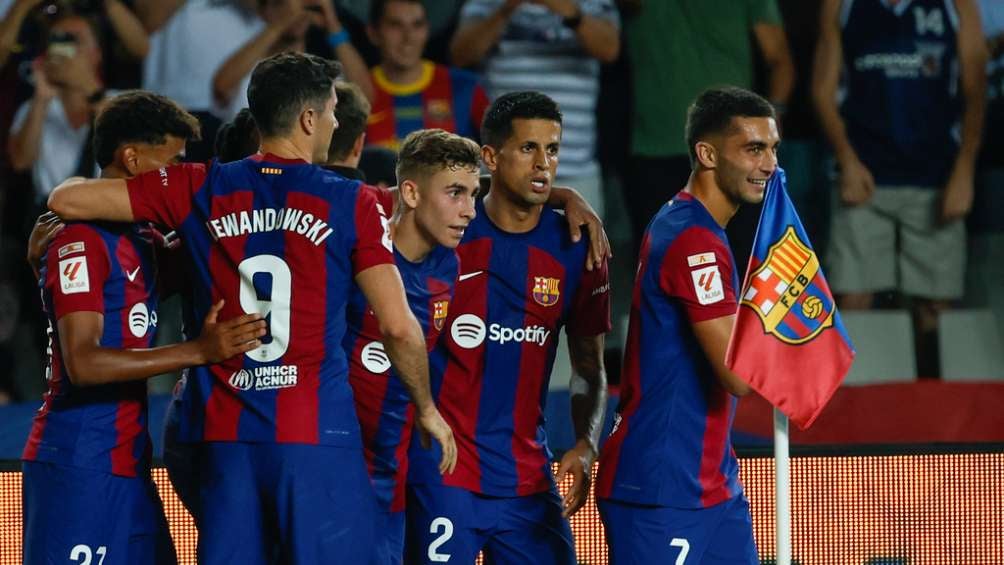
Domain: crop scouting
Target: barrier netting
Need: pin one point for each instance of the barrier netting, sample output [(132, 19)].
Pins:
[(846, 510)]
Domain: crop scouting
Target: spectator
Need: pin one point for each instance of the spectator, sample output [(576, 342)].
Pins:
[(708, 46), (50, 131), (556, 47), (412, 93), (905, 178), (286, 24), (189, 40)]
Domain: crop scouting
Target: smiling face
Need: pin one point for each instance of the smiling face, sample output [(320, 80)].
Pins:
[(524, 167), (747, 159), (446, 204), (401, 34)]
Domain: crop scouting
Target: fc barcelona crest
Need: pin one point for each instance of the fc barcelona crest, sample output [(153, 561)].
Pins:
[(440, 308), (787, 292), (545, 291)]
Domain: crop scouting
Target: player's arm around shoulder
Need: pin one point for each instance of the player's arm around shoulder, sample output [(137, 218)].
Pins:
[(78, 198)]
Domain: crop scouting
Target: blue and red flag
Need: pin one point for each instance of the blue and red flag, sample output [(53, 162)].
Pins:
[(788, 342)]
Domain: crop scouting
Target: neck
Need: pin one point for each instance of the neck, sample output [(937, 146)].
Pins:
[(115, 171), (402, 75), (351, 162), (287, 148), (703, 187), (511, 216), (410, 241)]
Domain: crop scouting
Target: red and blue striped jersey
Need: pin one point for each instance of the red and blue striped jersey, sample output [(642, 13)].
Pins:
[(490, 371), (671, 444), (283, 238), (443, 97), (384, 407), (108, 269)]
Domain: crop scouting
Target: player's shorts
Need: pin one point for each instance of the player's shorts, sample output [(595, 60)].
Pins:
[(389, 539), (182, 461), (74, 515), (718, 535), (896, 242), (451, 524), (295, 503)]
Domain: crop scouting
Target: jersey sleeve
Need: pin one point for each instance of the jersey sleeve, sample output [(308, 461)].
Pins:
[(165, 196), (77, 266), (590, 313), (372, 222), (697, 270)]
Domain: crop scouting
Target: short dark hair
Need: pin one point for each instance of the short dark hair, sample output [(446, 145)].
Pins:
[(527, 105), (428, 151), (286, 83), (352, 111), (378, 7), (713, 110), (237, 138), (139, 116)]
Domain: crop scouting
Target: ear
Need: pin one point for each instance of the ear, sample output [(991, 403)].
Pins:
[(409, 194), (489, 157), (308, 121), (129, 158), (707, 155)]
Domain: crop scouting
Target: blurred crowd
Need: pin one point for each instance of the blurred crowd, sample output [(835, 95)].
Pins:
[(891, 117)]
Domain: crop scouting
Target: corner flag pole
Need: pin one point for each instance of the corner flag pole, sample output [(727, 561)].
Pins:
[(782, 488)]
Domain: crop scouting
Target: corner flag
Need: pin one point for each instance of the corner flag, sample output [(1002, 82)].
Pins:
[(788, 341)]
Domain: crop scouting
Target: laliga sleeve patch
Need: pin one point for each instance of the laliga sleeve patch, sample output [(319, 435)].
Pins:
[(708, 285), (73, 277)]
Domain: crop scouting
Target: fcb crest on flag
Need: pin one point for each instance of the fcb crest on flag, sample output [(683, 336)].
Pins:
[(440, 309), (545, 290), (785, 294), (788, 341)]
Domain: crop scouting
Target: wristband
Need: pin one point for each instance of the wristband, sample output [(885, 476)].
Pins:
[(337, 38)]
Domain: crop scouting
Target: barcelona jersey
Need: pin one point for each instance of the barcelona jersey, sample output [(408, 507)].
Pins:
[(671, 444), (285, 239), (383, 404), (443, 97), (108, 269), (491, 368)]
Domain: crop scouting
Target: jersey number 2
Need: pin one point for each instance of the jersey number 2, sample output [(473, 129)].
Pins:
[(447, 526), (82, 554), (275, 306)]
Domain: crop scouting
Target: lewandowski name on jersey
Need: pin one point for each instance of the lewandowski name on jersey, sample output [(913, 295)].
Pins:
[(270, 219)]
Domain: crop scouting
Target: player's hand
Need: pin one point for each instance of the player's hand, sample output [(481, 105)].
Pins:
[(46, 227), (579, 462), (857, 185), (222, 340), (957, 198), (431, 423), (579, 213), (151, 234)]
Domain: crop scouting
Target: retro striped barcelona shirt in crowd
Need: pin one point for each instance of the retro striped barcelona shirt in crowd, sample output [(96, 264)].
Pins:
[(109, 269), (491, 368), (284, 238), (671, 444), (384, 407), (442, 97)]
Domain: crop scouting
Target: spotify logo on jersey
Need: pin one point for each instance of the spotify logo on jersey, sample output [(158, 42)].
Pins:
[(139, 319), (468, 331), (374, 358)]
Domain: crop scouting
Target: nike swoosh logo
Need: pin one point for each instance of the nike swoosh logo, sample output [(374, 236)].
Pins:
[(132, 276), (466, 276)]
